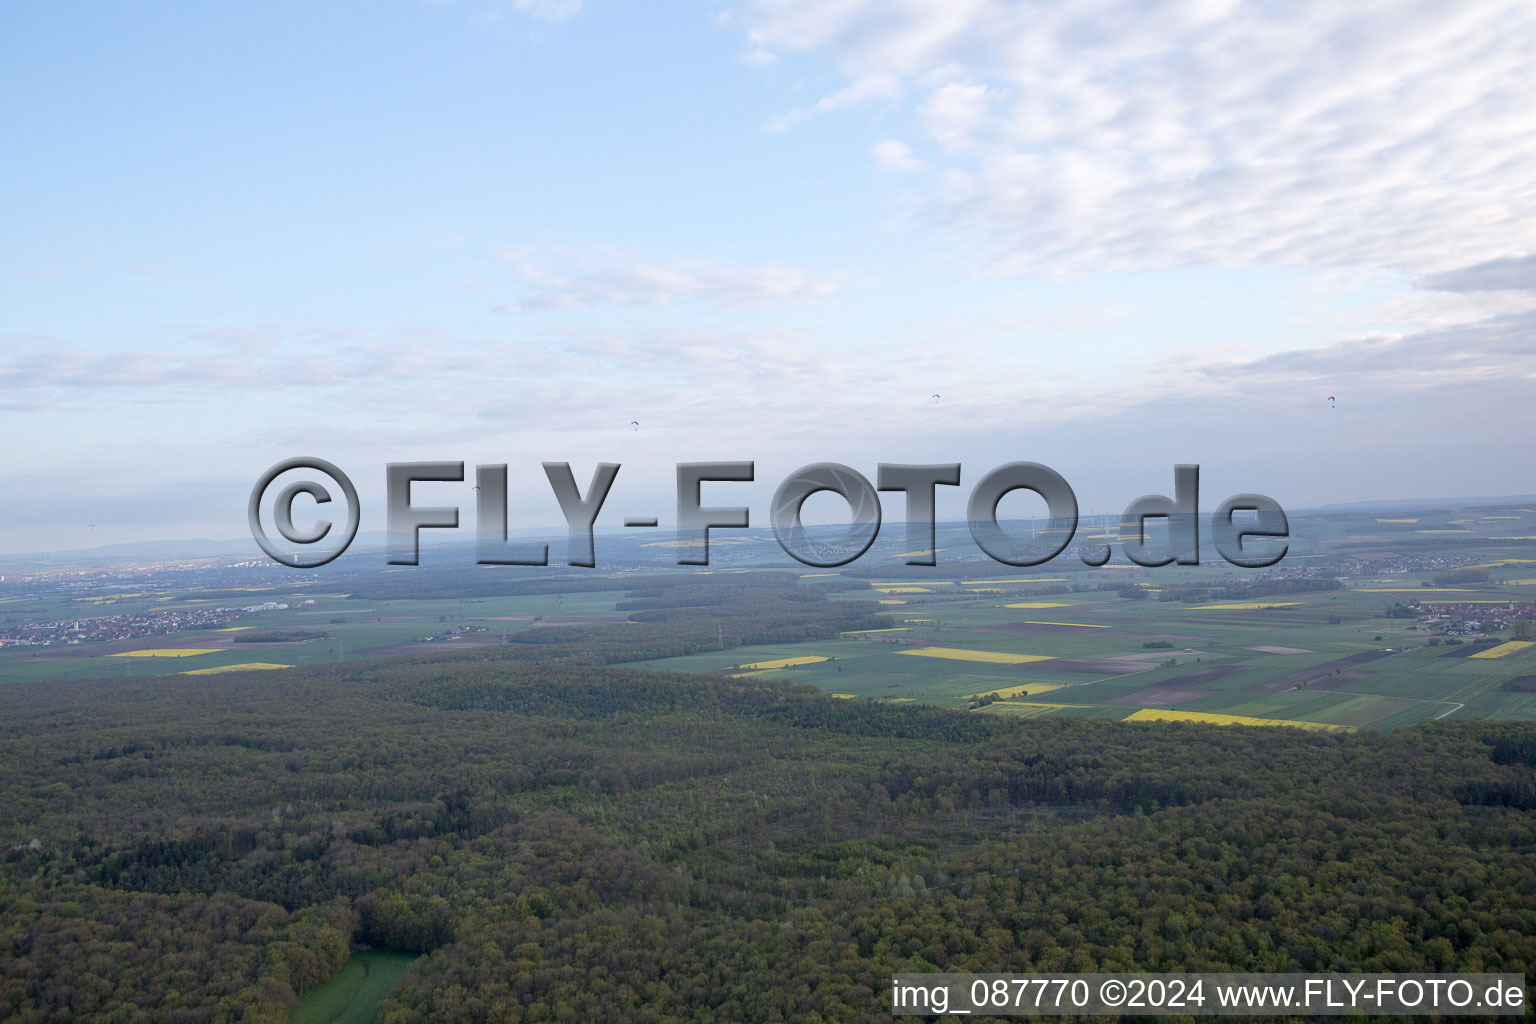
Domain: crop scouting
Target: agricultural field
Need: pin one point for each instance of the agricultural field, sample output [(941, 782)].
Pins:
[(1365, 625), (333, 628), (1073, 645), (1284, 661)]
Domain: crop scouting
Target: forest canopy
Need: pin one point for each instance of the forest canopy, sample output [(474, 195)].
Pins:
[(569, 841)]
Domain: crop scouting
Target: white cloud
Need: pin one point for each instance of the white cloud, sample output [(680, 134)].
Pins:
[(232, 362), (785, 396), (490, 12), (1516, 274), (645, 284), (861, 90), (547, 10), (1496, 350), (1123, 134), (785, 121), (895, 155), (956, 113)]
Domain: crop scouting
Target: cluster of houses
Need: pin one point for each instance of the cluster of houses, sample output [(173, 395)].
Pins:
[(1458, 620), (114, 627), (457, 632)]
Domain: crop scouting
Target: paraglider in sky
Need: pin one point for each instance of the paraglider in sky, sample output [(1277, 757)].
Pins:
[(634, 424), (935, 398), (1330, 402)]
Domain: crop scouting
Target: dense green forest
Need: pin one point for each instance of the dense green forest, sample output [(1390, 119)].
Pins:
[(577, 842), (670, 616), (567, 840)]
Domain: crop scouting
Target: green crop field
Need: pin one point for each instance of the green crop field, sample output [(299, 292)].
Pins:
[(343, 628), (1328, 656), (350, 995), (1328, 638)]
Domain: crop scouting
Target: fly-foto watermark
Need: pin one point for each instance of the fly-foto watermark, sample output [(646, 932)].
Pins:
[(1248, 530)]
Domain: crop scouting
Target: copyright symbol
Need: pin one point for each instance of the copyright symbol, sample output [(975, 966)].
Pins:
[(282, 512), (1112, 992)]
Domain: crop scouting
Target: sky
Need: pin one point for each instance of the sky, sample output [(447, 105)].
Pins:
[(1107, 236)]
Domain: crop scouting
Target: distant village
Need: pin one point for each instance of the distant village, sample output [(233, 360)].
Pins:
[(1464, 620), (127, 627)]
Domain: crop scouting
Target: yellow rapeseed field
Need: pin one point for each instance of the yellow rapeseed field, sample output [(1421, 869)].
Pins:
[(1505, 648), (1243, 607), (809, 659), (1037, 604), (965, 654), (1160, 715), (250, 666), (167, 652), (1079, 625)]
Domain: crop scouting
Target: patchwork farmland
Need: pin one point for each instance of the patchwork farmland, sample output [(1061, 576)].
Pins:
[(1373, 622), (1378, 647)]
